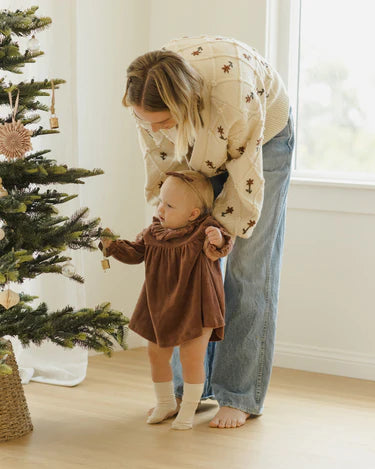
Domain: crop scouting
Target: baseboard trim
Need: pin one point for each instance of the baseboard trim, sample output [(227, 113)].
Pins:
[(323, 360)]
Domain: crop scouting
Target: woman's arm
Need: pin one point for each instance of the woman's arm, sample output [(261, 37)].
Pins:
[(239, 205)]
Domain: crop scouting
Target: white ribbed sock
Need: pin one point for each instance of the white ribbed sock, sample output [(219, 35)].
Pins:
[(165, 402), (189, 404)]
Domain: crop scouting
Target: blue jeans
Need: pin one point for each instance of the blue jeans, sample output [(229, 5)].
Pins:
[(238, 369)]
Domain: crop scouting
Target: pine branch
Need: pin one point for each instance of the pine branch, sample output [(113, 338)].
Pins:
[(98, 329), (36, 170), (50, 236), (29, 90), (10, 264), (33, 201), (14, 63), (22, 23)]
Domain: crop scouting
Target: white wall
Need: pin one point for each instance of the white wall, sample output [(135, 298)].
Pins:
[(107, 40), (242, 19), (326, 315)]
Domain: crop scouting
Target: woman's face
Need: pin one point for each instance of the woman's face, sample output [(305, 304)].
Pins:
[(176, 204), (157, 120)]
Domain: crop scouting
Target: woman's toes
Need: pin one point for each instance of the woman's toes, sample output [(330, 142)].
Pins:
[(214, 423)]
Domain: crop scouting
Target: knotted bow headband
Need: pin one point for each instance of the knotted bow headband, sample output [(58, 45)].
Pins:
[(188, 180)]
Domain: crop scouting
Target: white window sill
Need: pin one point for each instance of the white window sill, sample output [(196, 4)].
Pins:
[(347, 184), (330, 195)]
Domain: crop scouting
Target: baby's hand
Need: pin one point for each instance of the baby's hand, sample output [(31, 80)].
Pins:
[(106, 241), (214, 236)]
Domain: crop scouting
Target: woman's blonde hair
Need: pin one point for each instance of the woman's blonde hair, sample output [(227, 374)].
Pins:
[(200, 185), (162, 80)]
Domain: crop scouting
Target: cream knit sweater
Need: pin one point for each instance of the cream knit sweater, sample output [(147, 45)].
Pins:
[(247, 106)]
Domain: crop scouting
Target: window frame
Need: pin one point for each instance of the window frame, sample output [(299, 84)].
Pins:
[(283, 33)]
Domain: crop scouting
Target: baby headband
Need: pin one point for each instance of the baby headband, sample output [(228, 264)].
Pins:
[(188, 180)]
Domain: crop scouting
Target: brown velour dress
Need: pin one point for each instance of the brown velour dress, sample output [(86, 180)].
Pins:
[(183, 289)]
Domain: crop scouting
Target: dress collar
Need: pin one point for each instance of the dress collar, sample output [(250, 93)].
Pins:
[(164, 234)]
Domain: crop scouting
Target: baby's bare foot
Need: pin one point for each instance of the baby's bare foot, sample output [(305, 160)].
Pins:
[(228, 417), (171, 414)]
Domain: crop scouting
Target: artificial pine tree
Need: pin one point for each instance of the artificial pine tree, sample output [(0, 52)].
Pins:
[(33, 235)]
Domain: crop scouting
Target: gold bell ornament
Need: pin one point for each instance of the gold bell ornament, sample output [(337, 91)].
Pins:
[(54, 121), (105, 262)]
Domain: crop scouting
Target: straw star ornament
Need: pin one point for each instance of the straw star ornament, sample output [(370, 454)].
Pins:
[(15, 139)]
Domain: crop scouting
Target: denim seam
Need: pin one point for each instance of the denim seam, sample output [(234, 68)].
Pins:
[(259, 387)]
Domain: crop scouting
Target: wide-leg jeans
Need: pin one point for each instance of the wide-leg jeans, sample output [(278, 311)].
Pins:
[(238, 369)]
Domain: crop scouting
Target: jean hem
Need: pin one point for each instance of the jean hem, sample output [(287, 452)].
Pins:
[(239, 407)]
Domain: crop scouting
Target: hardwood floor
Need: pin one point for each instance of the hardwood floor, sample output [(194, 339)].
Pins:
[(310, 421)]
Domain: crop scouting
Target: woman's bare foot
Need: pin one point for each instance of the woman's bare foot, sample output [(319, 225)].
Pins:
[(171, 414), (228, 417)]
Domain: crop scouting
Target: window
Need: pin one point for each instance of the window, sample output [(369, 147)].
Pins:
[(331, 79)]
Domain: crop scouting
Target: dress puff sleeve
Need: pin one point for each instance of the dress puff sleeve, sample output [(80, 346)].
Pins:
[(212, 251), (126, 251)]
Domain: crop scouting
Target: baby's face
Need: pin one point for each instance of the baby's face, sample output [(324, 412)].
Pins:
[(177, 205)]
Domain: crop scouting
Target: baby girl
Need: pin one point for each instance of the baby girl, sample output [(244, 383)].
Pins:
[(182, 299)]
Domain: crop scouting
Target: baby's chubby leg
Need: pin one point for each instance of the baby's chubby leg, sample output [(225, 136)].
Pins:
[(192, 355), (161, 373)]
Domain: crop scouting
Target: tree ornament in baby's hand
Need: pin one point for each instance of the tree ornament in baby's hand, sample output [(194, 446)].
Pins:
[(106, 241), (214, 236)]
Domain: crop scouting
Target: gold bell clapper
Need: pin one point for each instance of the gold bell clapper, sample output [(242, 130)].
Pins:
[(53, 121)]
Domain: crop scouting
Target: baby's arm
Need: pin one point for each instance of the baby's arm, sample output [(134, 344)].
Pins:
[(123, 250), (214, 236), (218, 242)]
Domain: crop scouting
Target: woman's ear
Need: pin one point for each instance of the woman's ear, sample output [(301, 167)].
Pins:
[(195, 214)]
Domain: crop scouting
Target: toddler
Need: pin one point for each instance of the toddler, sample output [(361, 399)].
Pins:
[(182, 299)]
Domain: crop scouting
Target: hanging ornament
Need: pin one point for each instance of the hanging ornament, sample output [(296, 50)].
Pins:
[(68, 269), (15, 139), (3, 191), (2, 234), (105, 264), (9, 298), (54, 121), (33, 44), (105, 261)]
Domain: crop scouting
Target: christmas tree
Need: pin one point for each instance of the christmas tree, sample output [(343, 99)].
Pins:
[(32, 235)]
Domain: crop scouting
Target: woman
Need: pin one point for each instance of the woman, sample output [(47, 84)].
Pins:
[(212, 104)]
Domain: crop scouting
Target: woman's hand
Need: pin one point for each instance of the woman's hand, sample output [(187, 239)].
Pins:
[(214, 236), (106, 241)]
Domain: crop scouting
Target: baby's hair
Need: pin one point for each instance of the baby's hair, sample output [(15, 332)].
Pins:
[(163, 80), (200, 185)]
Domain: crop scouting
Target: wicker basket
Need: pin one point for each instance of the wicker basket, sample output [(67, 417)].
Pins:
[(15, 418)]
